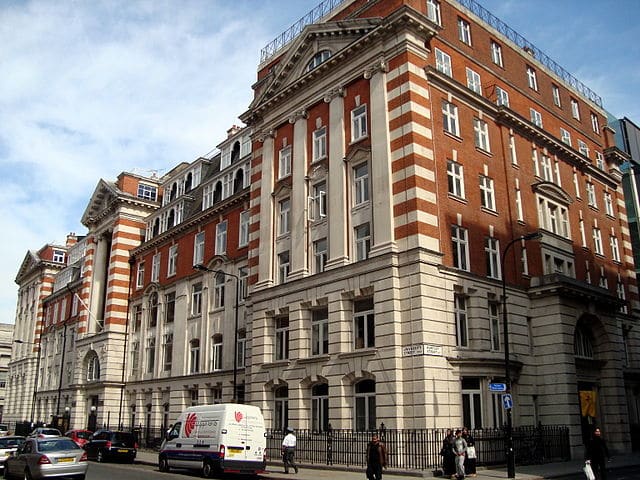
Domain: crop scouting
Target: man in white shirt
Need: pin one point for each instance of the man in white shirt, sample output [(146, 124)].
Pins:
[(288, 450)]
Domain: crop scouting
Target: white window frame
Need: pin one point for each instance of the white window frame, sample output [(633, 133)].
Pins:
[(320, 332), (591, 195), (140, 275), (615, 248), (597, 241), (216, 353), (536, 117), (319, 144), (282, 338), (496, 53), (243, 234), (600, 160), (443, 62), (481, 134), (555, 90), (492, 253), (473, 81), (487, 193), (547, 168), (460, 246), (455, 175), (583, 148), (219, 290), (464, 31), (155, 267), (318, 201), (359, 123), (608, 204), (194, 355), (595, 124), (532, 78), (283, 266), (172, 262), (196, 298), (320, 255), (284, 216), (502, 97), (450, 118), (433, 11), (284, 162), (167, 351), (198, 248), (575, 109), (363, 323), (221, 238), (361, 183), (362, 238), (553, 217), (565, 136)]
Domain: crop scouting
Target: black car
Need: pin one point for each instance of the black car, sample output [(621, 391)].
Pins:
[(107, 445)]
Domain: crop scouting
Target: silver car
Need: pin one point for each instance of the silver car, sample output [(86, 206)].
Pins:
[(8, 446), (47, 457)]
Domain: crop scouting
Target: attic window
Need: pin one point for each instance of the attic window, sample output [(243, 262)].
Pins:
[(318, 59), (147, 192)]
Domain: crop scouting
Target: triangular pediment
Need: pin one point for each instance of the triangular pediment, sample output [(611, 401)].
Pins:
[(103, 196), (553, 191), (334, 37), (29, 262)]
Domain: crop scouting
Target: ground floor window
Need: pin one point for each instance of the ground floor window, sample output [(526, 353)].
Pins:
[(471, 403), (281, 411), (320, 407), (365, 405)]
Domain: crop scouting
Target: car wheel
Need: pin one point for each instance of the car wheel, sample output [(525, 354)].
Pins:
[(207, 469), (163, 465), (100, 456)]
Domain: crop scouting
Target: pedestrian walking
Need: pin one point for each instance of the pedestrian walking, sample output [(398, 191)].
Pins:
[(448, 456), (460, 449), (376, 458), (470, 459), (598, 454), (289, 451)]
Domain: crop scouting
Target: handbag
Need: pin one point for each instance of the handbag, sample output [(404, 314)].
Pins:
[(588, 471), (471, 452)]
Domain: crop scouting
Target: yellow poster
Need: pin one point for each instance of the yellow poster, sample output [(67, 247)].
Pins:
[(588, 400)]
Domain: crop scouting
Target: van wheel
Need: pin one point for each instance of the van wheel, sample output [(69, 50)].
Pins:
[(207, 469), (163, 465)]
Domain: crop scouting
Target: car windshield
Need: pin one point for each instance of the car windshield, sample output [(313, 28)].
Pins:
[(57, 444), (11, 442), (83, 435), (49, 431)]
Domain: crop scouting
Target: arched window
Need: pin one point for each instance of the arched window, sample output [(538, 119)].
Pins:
[(171, 218), (235, 152), (365, 405), (156, 227), (583, 343), (319, 58), (320, 407), (93, 367), (238, 180), (281, 411), (153, 309), (174, 192), (217, 193), (188, 181)]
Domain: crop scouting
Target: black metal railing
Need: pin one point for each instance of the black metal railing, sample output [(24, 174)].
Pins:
[(420, 449)]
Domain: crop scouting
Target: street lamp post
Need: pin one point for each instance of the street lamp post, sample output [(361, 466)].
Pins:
[(202, 268), (35, 378), (511, 461)]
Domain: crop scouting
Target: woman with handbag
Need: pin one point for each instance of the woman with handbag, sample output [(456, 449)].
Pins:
[(448, 456), (470, 459), (597, 455)]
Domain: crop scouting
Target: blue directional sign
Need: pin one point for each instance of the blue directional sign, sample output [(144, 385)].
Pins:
[(507, 401), (497, 387)]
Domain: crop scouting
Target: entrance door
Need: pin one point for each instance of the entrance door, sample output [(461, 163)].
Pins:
[(588, 397)]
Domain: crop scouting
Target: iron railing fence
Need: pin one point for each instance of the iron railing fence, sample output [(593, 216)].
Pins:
[(420, 449)]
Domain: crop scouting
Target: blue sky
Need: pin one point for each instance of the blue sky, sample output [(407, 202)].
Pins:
[(90, 89)]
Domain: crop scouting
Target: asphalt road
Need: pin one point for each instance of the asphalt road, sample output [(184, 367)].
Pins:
[(122, 471)]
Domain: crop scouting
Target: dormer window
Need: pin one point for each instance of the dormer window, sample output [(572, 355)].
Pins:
[(58, 256), (318, 59), (147, 192), (188, 182)]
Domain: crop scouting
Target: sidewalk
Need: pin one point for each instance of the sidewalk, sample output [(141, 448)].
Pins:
[(323, 472)]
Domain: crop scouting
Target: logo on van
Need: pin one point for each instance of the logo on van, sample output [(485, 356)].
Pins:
[(190, 424), (238, 416)]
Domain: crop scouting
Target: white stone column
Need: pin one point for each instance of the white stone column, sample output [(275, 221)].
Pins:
[(336, 194), (298, 253), (381, 173), (265, 264)]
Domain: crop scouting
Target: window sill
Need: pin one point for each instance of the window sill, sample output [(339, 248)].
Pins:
[(360, 352), (489, 211), (276, 364), (358, 140), (456, 198), (315, 358), (484, 152), (453, 136)]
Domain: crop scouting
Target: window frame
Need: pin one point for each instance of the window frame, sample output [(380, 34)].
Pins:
[(443, 62), (221, 237), (455, 178), (319, 150), (284, 162), (460, 247), (464, 31), (359, 127), (481, 135), (532, 78), (496, 53), (450, 121)]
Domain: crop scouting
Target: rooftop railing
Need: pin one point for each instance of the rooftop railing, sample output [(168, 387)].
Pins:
[(489, 18), (327, 6)]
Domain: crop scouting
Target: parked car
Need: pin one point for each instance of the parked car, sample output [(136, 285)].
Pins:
[(9, 445), (39, 458), (45, 432), (4, 429), (79, 436), (112, 445)]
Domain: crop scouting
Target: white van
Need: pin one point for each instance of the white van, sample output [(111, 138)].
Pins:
[(216, 438)]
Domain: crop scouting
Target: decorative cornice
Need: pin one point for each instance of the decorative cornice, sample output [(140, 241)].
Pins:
[(299, 115), (334, 93), (380, 66)]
